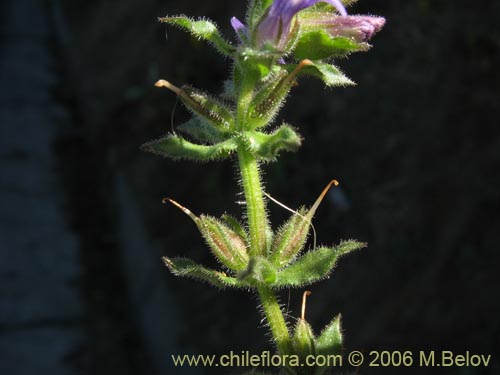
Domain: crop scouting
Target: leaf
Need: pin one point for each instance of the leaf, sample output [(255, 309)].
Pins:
[(187, 268), (330, 74), (201, 29), (268, 146), (175, 147), (318, 45), (314, 265)]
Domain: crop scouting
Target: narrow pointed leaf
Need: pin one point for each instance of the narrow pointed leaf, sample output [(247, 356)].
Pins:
[(268, 146), (328, 73), (303, 340), (318, 45), (314, 265), (187, 268), (175, 147), (330, 339), (201, 29)]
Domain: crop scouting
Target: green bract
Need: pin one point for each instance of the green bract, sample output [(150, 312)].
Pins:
[(279, 43)]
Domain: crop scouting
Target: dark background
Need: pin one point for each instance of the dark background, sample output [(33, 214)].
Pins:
[(415, 145)]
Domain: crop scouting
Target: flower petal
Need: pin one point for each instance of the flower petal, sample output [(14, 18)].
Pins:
[(275, 26), (240, 29)]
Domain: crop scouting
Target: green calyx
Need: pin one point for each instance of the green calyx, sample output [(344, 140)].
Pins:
[(230, 244)]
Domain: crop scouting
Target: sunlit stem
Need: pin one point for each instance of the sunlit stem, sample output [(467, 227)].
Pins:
[(275, 318), (256, 209)]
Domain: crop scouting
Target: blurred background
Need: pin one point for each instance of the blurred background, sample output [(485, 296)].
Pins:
[(416, 147)]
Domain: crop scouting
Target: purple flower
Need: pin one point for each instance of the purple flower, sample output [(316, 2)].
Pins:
[(240, 29), (359, 28), (274, 27)]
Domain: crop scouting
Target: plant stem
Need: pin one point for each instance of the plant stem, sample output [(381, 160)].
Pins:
[(275, 318), (257, 221), (256, 210)]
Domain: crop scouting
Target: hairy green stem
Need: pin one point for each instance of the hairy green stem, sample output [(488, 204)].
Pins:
[(256, 210), (257, 220), (244, 99), (275, 318)]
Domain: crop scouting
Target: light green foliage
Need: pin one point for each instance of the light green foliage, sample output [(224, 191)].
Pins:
[(201, 29), (187, 268), (330, 339), (328, 73), (303, 339), (314, 265), (268, 146), (176, 147), (318, 45)]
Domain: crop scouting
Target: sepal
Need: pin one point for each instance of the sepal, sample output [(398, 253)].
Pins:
[(314, 265), (175, 147), (328, 73), (329, 342), (303, 340), (268, 146), (318, 45), (201, 29), (187, 268)]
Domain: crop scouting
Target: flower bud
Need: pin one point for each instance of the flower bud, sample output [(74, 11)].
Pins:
[(359, 28)]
